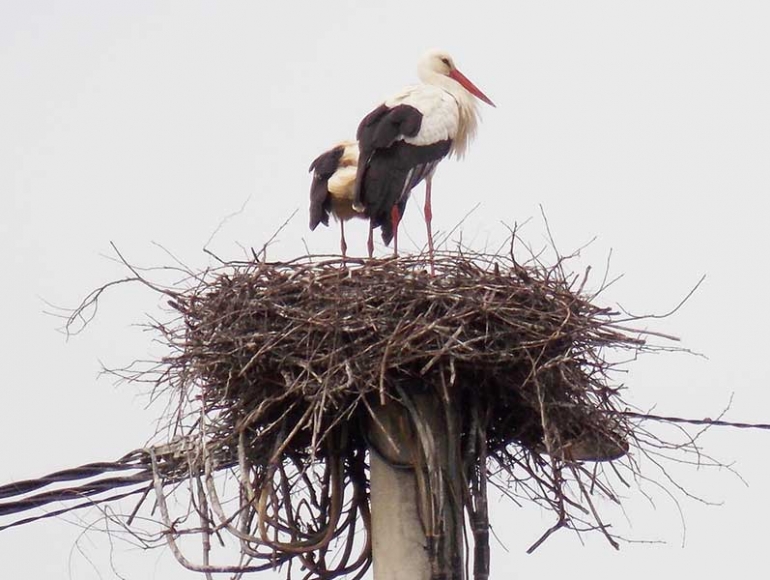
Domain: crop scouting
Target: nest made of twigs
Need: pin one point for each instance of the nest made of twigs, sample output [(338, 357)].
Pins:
[(278, 372), (278, 367), (286, 351)]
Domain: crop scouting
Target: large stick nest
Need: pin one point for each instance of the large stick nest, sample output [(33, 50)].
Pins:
[(286, 364), (278, 371), (285, 352)]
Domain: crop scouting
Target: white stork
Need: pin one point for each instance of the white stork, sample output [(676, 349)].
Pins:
[(402, 141), (332, 190)]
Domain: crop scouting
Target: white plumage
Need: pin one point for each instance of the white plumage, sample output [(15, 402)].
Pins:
[(440, 113), (403, 140)]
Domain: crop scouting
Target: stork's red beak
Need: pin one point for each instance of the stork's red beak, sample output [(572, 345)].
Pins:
[(469, 86)]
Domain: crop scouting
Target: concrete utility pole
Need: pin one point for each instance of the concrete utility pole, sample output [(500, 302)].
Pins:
[(416, 491)]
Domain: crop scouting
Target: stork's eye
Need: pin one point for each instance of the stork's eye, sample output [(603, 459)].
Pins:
[(446, 62)]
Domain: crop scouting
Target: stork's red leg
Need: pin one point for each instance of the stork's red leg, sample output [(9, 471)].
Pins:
[(370, 242), (429, 220), (395, 218)]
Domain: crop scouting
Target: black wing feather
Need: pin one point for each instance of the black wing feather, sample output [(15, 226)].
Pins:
[(390, 168), (385, 124), (323, 167)]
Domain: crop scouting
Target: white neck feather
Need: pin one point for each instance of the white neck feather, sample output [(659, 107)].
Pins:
[(466, 104)]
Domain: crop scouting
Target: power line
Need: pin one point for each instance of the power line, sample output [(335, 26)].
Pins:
[(706, 421)]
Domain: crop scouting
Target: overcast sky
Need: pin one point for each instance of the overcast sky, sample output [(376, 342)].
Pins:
[(643, 124)]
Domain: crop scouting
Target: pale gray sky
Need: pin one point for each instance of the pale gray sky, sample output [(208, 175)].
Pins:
[(645, 124)]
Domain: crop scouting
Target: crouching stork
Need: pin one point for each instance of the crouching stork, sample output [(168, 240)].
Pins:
[(332, 189), (402, 141)]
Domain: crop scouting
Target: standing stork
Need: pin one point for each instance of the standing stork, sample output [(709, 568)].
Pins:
[(332, 190), (402, 141)]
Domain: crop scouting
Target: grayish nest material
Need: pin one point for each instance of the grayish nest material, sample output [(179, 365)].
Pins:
[(287, 360), (287, 353), (276, 369)]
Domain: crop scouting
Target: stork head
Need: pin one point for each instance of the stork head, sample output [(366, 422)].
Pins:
[(436, 63)]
